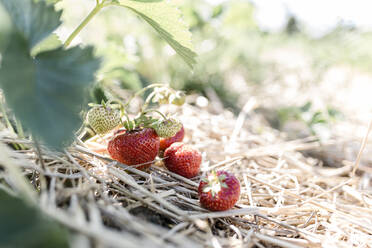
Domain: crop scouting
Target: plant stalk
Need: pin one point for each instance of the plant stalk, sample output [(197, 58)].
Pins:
[(142, 91), (83, 24), (156, 111)]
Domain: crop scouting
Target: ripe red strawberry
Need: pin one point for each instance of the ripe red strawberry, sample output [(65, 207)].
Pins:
[(135, 147), (182, 159), (166, 142), (219, 191)]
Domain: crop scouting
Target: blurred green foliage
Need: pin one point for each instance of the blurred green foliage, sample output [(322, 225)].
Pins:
[(24, 226), (308, 115), (228, 42), (44, 84)]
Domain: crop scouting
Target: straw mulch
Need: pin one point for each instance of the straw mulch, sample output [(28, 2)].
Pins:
[(287, 199)]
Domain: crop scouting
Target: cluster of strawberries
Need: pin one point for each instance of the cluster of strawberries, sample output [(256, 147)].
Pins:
[(145, 138)]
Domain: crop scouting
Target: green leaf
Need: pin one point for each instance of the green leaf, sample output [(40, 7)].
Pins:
[(49, 43), (52, 1), (207, 189), (146, 1), (24, 226), (224, 185), (165, 18), (33, 20), (222, 177), (5, 28), (306, 107), (47, 92)]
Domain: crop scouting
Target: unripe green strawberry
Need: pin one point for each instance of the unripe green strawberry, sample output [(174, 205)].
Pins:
[(103, 119), (167, 142), (167, 128), (178, 99)]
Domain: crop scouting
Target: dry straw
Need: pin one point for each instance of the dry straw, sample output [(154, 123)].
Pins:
[(287, 200)]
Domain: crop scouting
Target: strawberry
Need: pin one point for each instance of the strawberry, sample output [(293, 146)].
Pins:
[(178, 98), (219, 191), (182, 159), (103, 118), (135, 147), (167, 128), (166, 142)]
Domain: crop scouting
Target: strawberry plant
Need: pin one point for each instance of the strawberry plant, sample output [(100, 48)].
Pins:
[(19, 219), (46, 82)]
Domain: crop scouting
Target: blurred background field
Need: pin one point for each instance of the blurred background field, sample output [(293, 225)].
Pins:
[(307, 65)]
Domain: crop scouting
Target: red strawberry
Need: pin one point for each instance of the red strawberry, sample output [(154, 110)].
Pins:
[(182, 159), (219, 191), (135, 147), (166, 142)]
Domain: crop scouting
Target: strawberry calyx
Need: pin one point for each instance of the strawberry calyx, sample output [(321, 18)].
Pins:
[(161, 94), (165, 128), (110, 104), (141, 121), (214, 183)]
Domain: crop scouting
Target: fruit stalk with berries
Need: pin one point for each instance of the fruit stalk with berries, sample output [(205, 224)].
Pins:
[(145, 137), (139, 142)]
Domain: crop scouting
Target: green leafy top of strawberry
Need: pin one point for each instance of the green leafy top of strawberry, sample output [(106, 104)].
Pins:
[(219, 191), (214, 183)]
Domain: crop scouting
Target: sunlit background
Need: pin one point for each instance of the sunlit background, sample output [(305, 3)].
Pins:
[(317, 18), (306, 63)]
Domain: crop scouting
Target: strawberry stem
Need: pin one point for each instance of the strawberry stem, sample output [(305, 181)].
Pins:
[(147, 101), (128, 123), (142, 91), (72, 36), (156, 111)]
